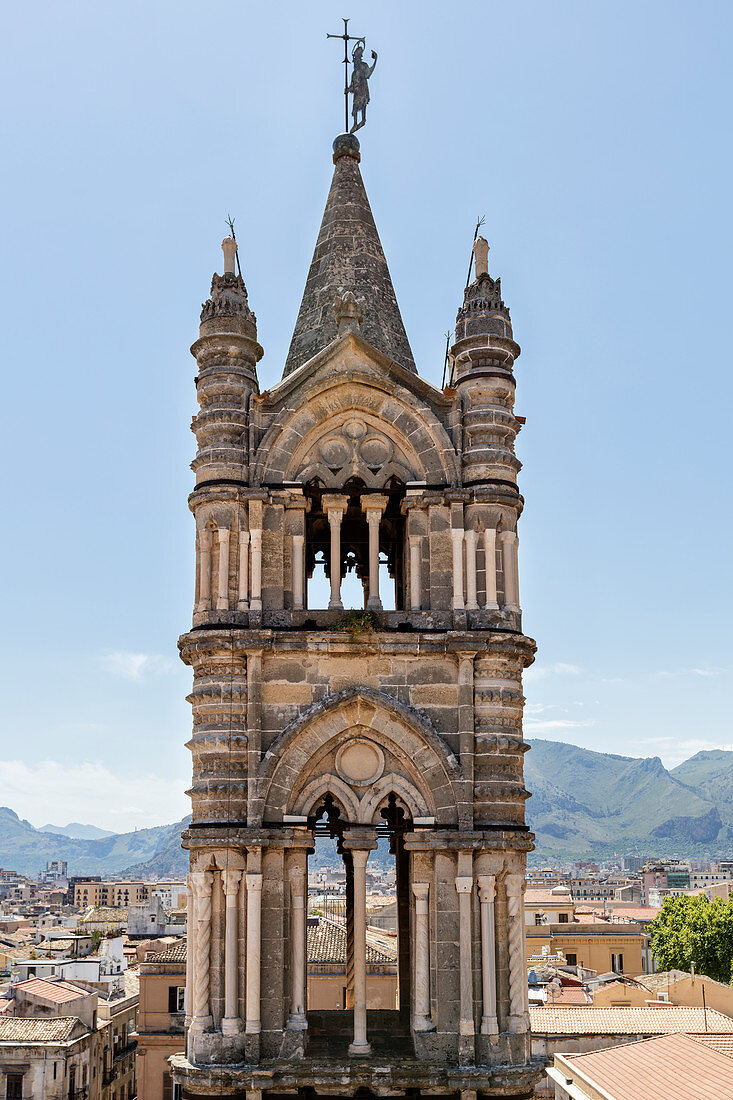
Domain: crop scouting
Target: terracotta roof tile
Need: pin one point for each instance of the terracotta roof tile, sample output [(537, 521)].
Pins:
[(673, 1066), (58, 992), (175, 953), (58, 1030), (645, 1020), (326, 943)]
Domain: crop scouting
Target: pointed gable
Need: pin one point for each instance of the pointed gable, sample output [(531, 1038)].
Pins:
[(348, 256)]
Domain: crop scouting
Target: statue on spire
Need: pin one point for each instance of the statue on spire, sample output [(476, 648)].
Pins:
[(360, 73), (359, 87)]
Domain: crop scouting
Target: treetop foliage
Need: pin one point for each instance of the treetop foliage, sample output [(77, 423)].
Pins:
[(694, 930)]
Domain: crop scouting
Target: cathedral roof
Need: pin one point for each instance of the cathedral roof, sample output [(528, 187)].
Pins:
[(348, 257)]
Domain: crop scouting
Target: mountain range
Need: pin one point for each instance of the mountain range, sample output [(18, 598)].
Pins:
[(593, 803), (584, 804)]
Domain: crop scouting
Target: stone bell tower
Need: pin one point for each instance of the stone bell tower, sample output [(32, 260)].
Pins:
[(400, 721)]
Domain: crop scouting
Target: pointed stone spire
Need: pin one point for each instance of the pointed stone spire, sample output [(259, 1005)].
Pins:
[(348, 257)]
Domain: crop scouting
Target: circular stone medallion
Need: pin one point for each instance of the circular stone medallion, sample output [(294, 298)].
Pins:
[(360, 762)]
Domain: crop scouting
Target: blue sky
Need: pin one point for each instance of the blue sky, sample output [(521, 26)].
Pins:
[(594, 137)]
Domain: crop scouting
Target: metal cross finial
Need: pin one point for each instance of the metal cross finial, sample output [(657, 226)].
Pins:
[(358, 85), (479, 222), (230, 222)]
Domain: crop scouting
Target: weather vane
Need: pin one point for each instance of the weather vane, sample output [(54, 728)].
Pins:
[(358, 87)]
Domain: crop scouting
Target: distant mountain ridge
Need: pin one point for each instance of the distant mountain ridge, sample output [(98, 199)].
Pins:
[(583, 803), (601, 803), (76, 831), (27, 850)]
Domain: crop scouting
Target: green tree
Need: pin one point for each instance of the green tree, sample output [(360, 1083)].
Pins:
[(693, 929)]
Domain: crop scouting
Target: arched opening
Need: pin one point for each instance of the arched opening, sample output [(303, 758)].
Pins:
[(354, 545), (330, 932)]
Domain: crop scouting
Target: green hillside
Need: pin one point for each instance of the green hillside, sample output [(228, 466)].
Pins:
[(710, 774), (26, 849), (591, 802)]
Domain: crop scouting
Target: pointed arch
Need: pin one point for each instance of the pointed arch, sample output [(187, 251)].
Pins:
[(418, 755)]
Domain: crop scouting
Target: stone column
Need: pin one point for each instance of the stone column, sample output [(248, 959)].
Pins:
[(490, 560), (464, 886), (415, 572), (254, 945), (201, 1011), (243, 594), (359, 842), (255, 602), (204, 603), (231, 1023), (421, 1020), (298, 898), (508, 541), (190, 948), (360, 1044), (374, 507), (298, 571), (487, 891), (222, 599), (471, 599), (457, 538), (518, 991), (334, 506)]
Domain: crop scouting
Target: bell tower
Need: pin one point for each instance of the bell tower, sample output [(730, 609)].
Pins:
[(395, 724)]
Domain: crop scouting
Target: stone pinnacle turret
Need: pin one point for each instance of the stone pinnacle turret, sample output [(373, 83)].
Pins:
[(348, 257)]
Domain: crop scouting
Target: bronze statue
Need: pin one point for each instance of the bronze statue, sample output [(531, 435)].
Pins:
[(359, 86)]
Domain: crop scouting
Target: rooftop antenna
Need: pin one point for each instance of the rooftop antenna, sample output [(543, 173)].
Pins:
[(230, 223), (479, 222)]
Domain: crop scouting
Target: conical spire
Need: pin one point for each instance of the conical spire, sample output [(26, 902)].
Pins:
[(348, 257)]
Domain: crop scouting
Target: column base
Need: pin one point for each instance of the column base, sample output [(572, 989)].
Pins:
[(492, 605), (423, 1023), (243, 605), (374, 604), (200, 1024), (457, 605), (360, 1049), (472, 606), (517, 1025), (255, 605), (222, 605), (231, 1025), (335, 605), (297, 1022), (489, 1025)]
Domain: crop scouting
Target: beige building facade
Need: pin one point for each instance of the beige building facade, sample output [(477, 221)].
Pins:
[(394, 721)]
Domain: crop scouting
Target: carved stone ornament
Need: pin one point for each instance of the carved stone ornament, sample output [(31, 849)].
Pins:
[(360, 762), (356, 450)]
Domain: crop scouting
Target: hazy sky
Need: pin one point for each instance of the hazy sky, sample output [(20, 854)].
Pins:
[(594, 137)]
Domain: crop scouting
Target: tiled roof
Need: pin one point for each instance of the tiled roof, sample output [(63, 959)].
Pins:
[(546, 897), (722, 1043), (58, 992), (326, 943), (626, 1021), (109, 915), (673, 1066), (175, 953), (663, 978), (569, 995), (16, 1030)]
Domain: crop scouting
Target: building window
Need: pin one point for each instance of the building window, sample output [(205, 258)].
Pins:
[(617, 963), (572, 959), (562, 918), (171, 1091), (14, 1086), (176, 998)]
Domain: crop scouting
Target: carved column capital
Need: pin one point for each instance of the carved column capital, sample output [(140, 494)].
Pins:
[(486, 888), (230, 881)]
